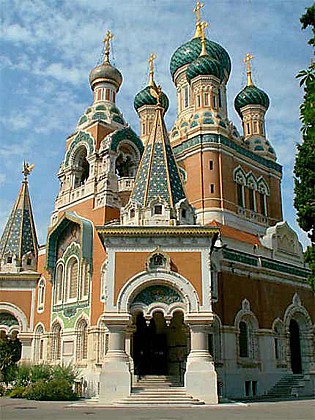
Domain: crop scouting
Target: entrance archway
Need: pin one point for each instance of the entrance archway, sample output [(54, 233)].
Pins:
[(160, 347), (295, 347)]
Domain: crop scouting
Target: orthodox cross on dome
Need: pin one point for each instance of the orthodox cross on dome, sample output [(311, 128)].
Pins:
[(248, 58), (27, 169), (196, 10), (203, 26), (109, 36), (151, 64)]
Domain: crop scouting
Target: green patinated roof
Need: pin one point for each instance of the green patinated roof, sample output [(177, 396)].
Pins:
[(126, 133), (158, 174), (191, 50), (251, 95), (144, 97), (204, 65), (19, 235), (86, 239)]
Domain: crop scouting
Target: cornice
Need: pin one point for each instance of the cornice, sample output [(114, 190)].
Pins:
[(132, 231)]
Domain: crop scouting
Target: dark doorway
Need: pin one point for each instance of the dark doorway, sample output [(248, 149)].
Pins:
[(149, 348), (295, 347)]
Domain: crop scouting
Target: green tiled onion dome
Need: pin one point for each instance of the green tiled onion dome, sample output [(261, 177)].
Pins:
[(191, 50), (106, 71), (144, 97), (204, 65), (251, 95)]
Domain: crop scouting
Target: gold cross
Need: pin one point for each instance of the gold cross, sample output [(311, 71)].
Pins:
[(109, 36), (151, 64), (248, 58), (247, 61), (197, 9)]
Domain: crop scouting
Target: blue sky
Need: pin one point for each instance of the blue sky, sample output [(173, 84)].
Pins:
[(49, 47)]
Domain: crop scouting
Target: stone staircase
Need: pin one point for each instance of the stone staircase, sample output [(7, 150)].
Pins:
[(158, 391), (286, 387)]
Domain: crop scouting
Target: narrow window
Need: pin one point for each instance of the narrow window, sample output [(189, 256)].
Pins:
[(263, 207), (59, 284), (243, 339), (186, 97), (211, 165), (206, 99), (248, 128), (220, 98), (99, 92), (9, 260), (255, 127), (107, 94), (198, 101), (73, 274), (143, 128), (184, 213), (132, 213), (214, 102), (251, 199), (276, 348), (240, 195), (29, 261), (212, 188), (114, 96)]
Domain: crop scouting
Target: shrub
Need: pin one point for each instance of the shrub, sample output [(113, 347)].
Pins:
[(23, 374), (40, 372), (54, 390), (67, 372), (2, 390), (17, 392)]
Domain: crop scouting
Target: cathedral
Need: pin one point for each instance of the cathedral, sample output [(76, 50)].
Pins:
[(167, 258)]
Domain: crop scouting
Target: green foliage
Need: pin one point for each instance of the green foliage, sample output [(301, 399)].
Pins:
[(2, 390), (23, 374), (304, 168), (67, 372), (54, 390), (17, 392), (309, 256), (10, 354), (40, 372)]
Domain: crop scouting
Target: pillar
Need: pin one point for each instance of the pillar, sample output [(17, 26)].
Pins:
[(115, 377), (200, 376)]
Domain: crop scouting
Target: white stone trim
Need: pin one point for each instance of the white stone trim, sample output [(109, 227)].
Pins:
[(17, 313)]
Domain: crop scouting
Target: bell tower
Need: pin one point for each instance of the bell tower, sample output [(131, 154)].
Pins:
[(102, 154)]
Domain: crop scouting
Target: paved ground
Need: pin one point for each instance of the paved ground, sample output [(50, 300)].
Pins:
[(32, 410)]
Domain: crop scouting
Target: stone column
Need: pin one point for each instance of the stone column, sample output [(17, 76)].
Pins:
[(129, 334), (115, 377), (200, 376)]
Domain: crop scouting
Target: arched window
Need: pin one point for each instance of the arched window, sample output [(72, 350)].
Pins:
[(73, 274), (38, 344), (243, 340), (81, 167), (127, 161), (56, 342), (82, 340), (59, 284), (240, 195), (252, 203), (41, 295), (240, 179)]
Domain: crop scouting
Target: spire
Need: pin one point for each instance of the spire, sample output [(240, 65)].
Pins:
[(196, 10), (247, 61), (19, 236), (204, 51), (109, 36), (158, 175), (151, 64)]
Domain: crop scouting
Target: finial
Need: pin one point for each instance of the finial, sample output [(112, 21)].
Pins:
[(27, 169), (196, 10), (247, 61), (109, 36), (203, 26), (151, 64)]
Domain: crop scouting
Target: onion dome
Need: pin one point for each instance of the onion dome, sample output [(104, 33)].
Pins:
[(251, 95), (105, 71), (145, 97), (204, 65), (191, 50)]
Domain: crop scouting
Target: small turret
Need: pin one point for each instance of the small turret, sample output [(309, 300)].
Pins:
[(18, 244), (145, 103), (251, 103)]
